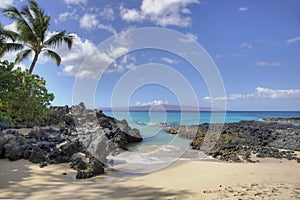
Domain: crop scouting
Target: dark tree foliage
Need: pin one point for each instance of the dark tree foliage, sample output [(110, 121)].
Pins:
[(23, 96)]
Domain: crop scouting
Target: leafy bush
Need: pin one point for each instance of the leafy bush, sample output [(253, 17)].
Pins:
[(24, 97)]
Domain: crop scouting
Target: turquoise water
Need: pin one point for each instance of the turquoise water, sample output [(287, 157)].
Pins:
[(151, 124), (174, 118), (159, 149)]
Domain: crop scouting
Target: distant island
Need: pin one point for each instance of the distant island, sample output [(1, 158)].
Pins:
[(164, 107)]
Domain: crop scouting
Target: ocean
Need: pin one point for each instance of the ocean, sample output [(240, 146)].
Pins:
[(160, 149)]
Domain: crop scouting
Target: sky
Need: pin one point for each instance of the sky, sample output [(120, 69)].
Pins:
[(251, 48)]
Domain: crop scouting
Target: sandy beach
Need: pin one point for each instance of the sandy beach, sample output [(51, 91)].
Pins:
[(270, 179)]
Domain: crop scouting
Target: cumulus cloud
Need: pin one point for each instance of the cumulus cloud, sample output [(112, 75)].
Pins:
[(131, 15), (243, 9), (162, 13), (293, 40), (84, 60), (169, 60), (90, 22), (151, 103), (267, 64), (75, 1), (83, 48), (108, 13), (6, 3), (65, 16), (261, 93)]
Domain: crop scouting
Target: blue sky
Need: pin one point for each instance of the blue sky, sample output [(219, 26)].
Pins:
[(254, 44)]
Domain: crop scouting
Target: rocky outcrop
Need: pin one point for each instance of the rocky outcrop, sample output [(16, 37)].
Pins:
[(101, 134), (75, 130), (188, 132), (238, 141), (282, 119)]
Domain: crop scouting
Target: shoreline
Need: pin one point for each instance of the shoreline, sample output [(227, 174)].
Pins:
[(271, 178)]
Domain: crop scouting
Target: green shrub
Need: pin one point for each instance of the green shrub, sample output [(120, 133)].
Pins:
[(24, 97)]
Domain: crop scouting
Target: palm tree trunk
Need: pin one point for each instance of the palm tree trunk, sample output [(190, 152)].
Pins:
[(36, 55)]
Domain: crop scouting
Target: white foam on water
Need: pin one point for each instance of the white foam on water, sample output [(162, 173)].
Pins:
[(155, 154)]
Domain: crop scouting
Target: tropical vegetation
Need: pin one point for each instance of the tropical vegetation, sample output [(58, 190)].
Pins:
[(32, 35), (24, 97)]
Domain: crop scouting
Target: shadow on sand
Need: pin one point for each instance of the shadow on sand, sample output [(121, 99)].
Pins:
[(49, 183)]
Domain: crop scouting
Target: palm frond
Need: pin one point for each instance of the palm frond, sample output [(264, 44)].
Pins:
[(1, 52), (22, 55), (27, 13), (35, 8), (54, 56), (26, 31), (7, 47), (41, 20), (69, 40), (7, 34), (57, 40)]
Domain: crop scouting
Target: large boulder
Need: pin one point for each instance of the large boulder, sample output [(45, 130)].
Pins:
[(101, 134), (94, 168), (13, 151), (37, 155)]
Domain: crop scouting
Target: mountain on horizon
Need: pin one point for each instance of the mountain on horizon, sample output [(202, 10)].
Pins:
[(162, 107)]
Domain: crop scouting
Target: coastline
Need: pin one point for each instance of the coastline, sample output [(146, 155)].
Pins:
[(265, 177), (271, 178)]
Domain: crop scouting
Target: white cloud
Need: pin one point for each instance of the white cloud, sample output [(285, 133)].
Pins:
[(169, 60), (189, 38), (6, 3), (107, 27), (72, 59), (267, 64), (293, 40), (261, 93), (246, 45), (88, 21), (75, 1), (11, 27), (185, 11), (162, 13), (243, 9), (65, 16), (125, 62), (108, 13), (131, 15), (151, 103), (94, 61)]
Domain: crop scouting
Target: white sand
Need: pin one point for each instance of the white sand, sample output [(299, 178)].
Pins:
[(186, 180)]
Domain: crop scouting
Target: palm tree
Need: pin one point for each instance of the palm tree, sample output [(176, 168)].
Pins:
[(33, 25), (7, 41)]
